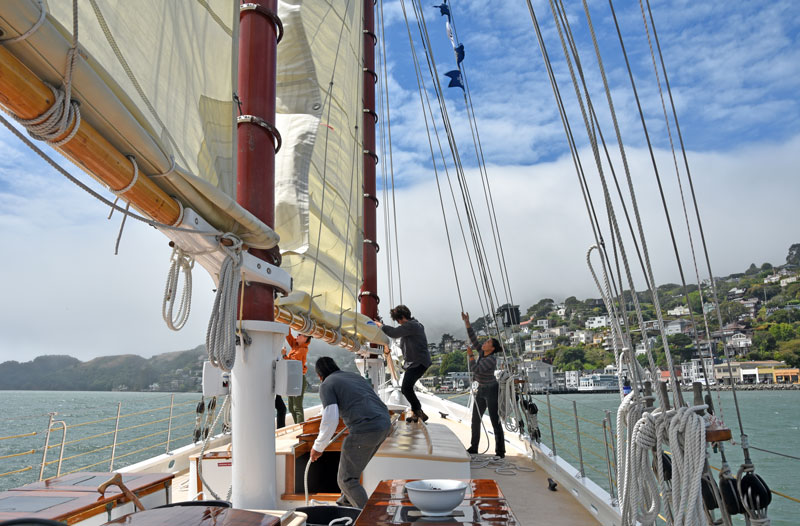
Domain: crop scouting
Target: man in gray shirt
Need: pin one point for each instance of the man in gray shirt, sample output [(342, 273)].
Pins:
[(414, 344), (367, 419)]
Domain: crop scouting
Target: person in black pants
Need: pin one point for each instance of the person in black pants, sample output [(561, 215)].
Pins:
[(488, 389), (280, 412), (417, 357)]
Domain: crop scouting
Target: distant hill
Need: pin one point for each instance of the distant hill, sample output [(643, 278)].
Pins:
[(174, 371), (178, 371)]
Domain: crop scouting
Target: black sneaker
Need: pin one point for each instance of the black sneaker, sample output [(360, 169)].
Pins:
[(419, 413), (412, 419), (472, 451), (500, 455)]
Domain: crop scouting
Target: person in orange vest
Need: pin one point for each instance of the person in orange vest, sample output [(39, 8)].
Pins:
[(299, 351)]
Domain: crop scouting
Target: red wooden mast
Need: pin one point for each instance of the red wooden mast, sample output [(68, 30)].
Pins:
[(369, 289), (259, 28)]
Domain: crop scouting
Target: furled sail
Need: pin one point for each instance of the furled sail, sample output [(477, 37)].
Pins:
[(157, 79), (318, 187)]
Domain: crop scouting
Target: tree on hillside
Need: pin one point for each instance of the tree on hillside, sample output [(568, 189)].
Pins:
[(540, 309), (793, 257), (782, 331), (569, 359), (752, 269), (455, 361)]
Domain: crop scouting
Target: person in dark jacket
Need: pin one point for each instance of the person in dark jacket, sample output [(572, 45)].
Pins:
[(367, 419), (488, 389), (417, 357)]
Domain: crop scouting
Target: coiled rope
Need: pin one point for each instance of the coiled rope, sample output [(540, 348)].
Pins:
[(221, 334), (687, 442), (180, 263), (64, 114)]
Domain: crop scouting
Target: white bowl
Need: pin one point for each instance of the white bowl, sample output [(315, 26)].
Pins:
[(436, 497)]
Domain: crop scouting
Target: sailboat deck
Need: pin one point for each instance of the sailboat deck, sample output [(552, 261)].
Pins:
[(526, 492)]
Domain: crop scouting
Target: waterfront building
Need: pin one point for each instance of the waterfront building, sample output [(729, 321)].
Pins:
[(572, 380), (598, 382)]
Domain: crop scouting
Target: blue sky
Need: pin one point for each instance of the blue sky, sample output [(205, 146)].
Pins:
[(735, 75)]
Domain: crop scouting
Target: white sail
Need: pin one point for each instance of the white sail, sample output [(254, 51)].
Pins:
[(157, 79), (319, 168)]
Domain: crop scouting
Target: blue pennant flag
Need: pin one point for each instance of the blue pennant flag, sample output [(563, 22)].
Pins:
[(459, 54), (455, 79), (444, 9)]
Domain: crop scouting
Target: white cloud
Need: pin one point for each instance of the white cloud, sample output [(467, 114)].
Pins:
[(545, 230)]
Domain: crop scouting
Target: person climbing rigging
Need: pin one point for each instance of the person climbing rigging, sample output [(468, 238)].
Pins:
[(350, 396), (488, 389), (299, 352), (414, 345)]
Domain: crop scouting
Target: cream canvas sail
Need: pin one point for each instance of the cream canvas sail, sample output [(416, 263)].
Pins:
[(318, 185), (157, 80)]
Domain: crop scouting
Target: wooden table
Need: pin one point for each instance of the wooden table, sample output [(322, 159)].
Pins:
[(483, 504), (196, 516)]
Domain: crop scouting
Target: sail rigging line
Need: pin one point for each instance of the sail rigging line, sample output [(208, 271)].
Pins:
[(391, 157), (686, 219), (420, 86), (638, 492), (595, 128), (624, 416), (326, 101), (747, 466), (484, 270), (699, 225), (426, 103), (151, 222), (353, 172), (385, 192), (382, 120), (588, 201), (476, 139), (479, 247), (563, 27)]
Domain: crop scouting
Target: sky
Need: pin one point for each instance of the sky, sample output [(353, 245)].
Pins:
[(734, 70)]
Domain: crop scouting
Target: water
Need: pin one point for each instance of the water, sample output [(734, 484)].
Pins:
[(771, 419)]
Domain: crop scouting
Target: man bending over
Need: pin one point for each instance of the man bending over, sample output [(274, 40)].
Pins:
[(367, 419)]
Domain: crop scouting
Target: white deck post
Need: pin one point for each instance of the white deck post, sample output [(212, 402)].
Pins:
[(253, 414)]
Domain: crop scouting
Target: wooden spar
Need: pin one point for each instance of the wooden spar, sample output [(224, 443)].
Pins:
[(369, 289), (25, 95), (300, 323)]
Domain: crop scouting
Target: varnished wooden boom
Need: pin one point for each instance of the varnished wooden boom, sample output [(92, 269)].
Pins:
[(25, 95), (298, 323)]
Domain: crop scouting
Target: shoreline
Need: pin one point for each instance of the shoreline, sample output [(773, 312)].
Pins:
[(684, 388)]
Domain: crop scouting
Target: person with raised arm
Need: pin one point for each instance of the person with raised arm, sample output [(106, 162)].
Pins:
[(483, 367), (414, 345)]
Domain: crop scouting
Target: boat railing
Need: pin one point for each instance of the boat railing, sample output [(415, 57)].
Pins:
[(583, 441), (585, 447), (109, 442)]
